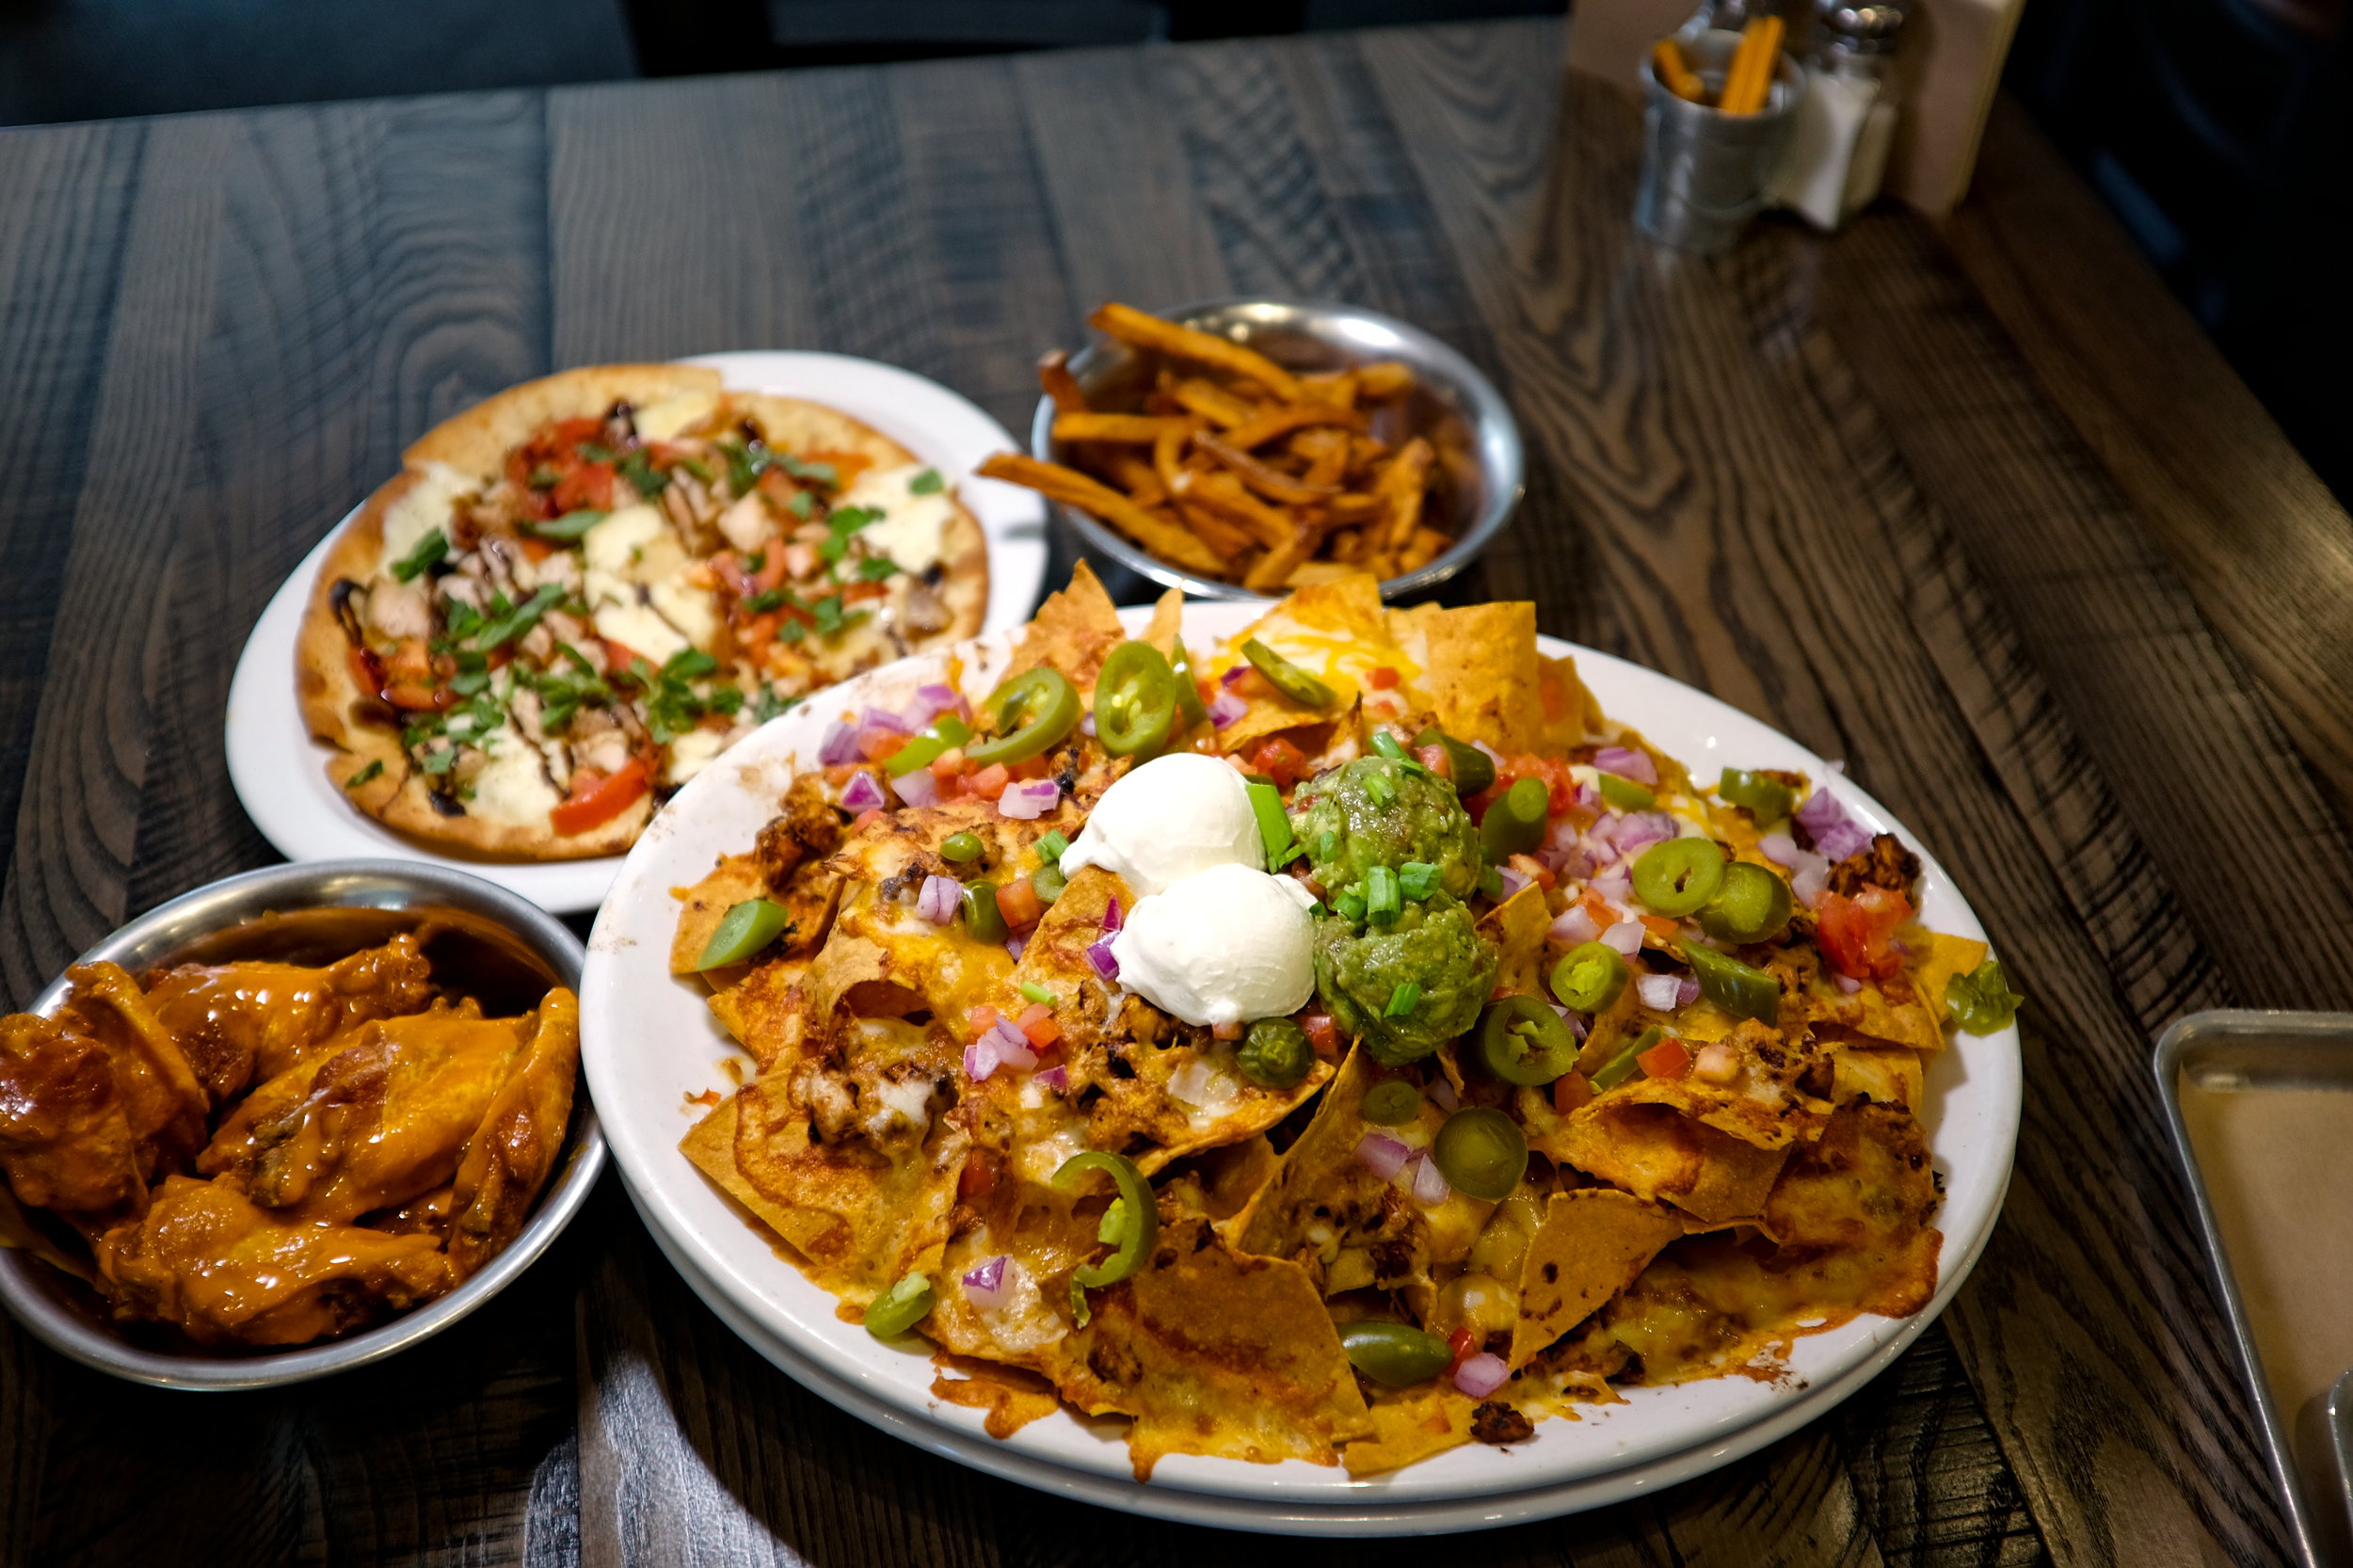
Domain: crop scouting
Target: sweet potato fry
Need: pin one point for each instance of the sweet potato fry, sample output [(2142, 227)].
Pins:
[(1212, 402), (1142, 485), (1402, 488), (1131, 326), (1223, 494), (1055, 381), (1353, 508), (1426, 546), (1326, 451), (1273, 570), (1138, 429), (1335, 387), (1270, 481), (1384, 379), (1163, 536), (1218, 534), (1168, 451), (1263, 427)]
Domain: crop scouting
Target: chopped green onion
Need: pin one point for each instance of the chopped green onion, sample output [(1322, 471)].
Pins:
[(1274, 827), (1403, 999), (1036, 993), (1380, 897), (1417, 879), (1386, 743), (1049, 849), (1350, 905)]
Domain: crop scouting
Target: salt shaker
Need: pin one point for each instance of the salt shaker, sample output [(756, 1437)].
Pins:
[(1838, 155)]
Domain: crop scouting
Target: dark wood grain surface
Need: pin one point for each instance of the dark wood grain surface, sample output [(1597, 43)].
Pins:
[(1975, 510)]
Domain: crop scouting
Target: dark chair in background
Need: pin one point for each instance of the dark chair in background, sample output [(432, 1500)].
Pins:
[(2218, 132)]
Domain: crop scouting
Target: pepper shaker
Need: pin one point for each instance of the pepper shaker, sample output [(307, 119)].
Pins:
[(1837, 157)]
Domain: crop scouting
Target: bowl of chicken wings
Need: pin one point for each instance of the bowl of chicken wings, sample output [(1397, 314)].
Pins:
[(291, 1124)]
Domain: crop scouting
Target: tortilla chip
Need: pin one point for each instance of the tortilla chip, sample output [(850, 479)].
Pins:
[(1072, 631), (1888, 1075), (1411, 1425), (1518, 927), (1946, 956), (1215, 1351), (735, 878), (1655, 1152), (762, 1014), (1572, 714), (1168, 615), (1592, 1242), (1336, 631), (1872, 1012), (1856, 1207), (1011, 1397), (1479, 671)]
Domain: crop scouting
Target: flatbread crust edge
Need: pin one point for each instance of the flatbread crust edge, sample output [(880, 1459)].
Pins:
[(476, 442)]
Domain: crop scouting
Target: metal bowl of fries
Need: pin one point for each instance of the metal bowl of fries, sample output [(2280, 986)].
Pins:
[(1240, 448)]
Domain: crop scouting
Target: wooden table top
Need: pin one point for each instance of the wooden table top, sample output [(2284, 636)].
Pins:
[(1976, 510)]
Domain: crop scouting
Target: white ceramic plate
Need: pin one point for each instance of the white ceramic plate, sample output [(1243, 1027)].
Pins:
[(280, 772), (649, 1044)]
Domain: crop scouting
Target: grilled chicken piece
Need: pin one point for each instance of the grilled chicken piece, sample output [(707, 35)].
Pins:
[(250, 1022), (207, 1259)]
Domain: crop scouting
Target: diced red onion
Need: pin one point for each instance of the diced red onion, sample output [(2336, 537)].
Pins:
[(931, 701), (978, 1062), (1513, 881), (985, 1284), (1627, 763), (839, 746), (1013, 1046), (883, 718), (1626, 937), (1226, 709), (1809, 872), (1086, 725), (1846, 983), (1659, 992), (1575, 1020), (1481, 1375), (1056, 1077), (940, 899), (1612, 885), (1443, 1091), (1232, 678), (1642, 830), (1430, 1187), (1686, 991), (1493, 754), (1030, 799), (916, 787), (1112, 918), (1809, 885), (1835, 835), (1015, 944), (1099, 957), (863, 794), (1588, 799), (1574, 927), (1380, 1154)]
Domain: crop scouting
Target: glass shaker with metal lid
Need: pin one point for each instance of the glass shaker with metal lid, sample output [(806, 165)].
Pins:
[(1838, 152)]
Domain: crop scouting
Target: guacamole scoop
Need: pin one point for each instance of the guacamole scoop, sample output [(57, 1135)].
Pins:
[(1374, 811), (1433, 944)]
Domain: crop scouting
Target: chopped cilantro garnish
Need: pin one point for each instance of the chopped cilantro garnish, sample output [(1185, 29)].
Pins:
[(802, 503), (765, 601), (746, 460), (696, 467), (816, 473), (926, 483), (440, 763), (874, 569), (724, 700), (594, 452), (829, 617), (768, 704), (571, 525), (646, 479), (513, 623), (432, 548), (545, 477), (368, 775)]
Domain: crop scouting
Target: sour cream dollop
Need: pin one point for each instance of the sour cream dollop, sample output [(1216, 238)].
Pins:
[(1222, 945), (1175, 816)]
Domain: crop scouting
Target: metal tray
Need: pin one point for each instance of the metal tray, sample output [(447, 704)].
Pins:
[(2286, 1048)]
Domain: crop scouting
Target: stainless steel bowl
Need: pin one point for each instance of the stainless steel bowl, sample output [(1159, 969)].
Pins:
[(69, 1316), (1310, 335)]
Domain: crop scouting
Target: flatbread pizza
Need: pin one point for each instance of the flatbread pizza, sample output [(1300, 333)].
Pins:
[(579, 592)]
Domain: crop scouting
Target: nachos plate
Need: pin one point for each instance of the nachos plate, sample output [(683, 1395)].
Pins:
[(657, 1060)]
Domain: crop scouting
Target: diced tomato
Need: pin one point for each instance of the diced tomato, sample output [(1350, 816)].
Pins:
[(877, 744), (978, 1178), (1667, 1059), (1534, 869), (727, 566), (862, 590), (1437, 760), (990, 782), (597, 798), (1252, 687), (859, 822), (761, 629), (417, 698), (1018, 902), (1569, 1091), (1855, 931), (1381, 678), (771, 571), (981, 1019), (1463, 1342), (620, 656), (778, 487), (1280, 760), (1037, 1022), (1657, 925), (588, 486), (367, 668), (1321, 1032)]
